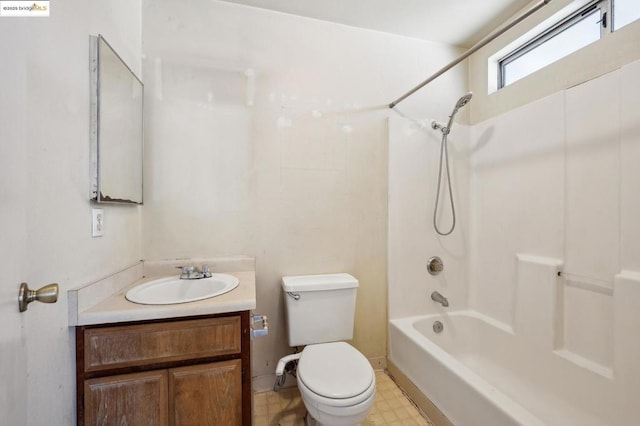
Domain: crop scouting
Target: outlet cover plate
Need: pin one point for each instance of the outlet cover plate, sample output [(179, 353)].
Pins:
[(97, 222)]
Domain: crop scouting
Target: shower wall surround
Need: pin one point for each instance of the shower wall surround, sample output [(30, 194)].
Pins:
[(298, 179), (554, 184), (558, 178), (414, 153)]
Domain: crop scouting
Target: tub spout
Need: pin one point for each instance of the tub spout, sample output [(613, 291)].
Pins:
[(437, 297)]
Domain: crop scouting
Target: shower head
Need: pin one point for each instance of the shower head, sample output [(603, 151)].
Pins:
[(461, 102)]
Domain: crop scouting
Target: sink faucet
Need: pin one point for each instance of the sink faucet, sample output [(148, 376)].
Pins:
[(437, 297), (193, 273)]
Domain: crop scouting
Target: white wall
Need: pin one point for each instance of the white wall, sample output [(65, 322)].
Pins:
[(47, 146), (310, 197)]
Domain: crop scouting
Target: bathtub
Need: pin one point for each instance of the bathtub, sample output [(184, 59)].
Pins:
[(478, 372)]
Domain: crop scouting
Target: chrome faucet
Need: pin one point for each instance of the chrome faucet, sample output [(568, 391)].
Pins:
[(437, 297), (193, 273)]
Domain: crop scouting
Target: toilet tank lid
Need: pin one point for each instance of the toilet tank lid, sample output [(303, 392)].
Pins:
[(302, 283)]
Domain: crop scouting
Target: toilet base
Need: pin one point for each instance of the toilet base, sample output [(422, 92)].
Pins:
[(310, 421)]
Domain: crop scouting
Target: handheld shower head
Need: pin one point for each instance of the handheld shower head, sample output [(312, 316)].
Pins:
[(464, 100), (444, 155)]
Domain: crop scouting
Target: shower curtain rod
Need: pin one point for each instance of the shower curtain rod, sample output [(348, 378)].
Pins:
[(471, 51)]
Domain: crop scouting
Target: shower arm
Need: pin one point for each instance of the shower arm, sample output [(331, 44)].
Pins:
[(472, 50)]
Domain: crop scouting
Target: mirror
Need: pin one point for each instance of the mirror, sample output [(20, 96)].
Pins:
[(116, 127)]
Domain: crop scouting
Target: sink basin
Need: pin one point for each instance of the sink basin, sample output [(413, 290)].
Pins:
[(172, 290)]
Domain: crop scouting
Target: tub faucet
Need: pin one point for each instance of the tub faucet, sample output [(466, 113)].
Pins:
[(437, 297)]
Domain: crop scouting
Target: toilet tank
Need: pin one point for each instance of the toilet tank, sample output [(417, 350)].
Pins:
[(319, 308)]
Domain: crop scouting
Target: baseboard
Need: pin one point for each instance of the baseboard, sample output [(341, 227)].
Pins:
[(379, 363), (418, 398)]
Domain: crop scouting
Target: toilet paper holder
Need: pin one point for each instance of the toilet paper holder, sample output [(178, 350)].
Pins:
[(264, 324)]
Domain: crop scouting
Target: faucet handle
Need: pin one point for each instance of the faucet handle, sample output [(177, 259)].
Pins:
[(206, 273), (187, 271), (435, 265)]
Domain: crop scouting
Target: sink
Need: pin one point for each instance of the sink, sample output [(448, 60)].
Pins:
[(172, 290)]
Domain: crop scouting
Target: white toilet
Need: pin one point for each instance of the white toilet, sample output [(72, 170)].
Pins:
[(336, 382)]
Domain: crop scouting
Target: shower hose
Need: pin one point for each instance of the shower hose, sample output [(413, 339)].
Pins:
[(444, 155)]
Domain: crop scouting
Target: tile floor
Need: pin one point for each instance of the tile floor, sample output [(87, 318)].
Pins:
[(391, 407)]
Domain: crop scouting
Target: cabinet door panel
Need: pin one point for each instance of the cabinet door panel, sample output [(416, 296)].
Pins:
[(206, 395), (138, 399)]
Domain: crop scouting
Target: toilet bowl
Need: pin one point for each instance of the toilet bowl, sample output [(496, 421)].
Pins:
[(337, 384)]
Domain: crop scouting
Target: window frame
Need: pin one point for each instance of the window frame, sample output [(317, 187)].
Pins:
[(569, 21)]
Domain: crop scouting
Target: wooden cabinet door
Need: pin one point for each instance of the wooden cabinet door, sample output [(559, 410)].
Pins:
[(138, 399), (206, 394)]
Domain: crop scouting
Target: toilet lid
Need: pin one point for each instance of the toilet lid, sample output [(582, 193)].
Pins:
[(335, 370)]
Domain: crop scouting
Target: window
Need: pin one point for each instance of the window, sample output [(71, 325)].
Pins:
[(579, 29), (625, 12)]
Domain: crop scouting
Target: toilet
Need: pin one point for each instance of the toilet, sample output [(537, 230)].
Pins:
[(336, 382)]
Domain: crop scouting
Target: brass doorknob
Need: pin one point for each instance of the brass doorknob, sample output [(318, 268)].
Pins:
[(46, 294)]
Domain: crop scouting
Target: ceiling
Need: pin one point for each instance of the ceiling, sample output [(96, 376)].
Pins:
[(456, 22)]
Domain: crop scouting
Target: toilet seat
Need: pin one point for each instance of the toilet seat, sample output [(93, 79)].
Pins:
[(336, 373)]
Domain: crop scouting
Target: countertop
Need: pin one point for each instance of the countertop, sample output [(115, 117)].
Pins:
[(115, 308)]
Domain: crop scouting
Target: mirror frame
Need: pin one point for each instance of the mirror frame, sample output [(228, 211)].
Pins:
[(95, 123)]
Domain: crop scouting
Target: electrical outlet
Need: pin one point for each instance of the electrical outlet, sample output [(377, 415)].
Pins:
[(97, 224)]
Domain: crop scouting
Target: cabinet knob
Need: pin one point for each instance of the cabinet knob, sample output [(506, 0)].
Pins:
[(46, 294)]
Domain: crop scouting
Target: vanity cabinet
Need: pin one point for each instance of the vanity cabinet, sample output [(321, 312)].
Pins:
[(174, 372)]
